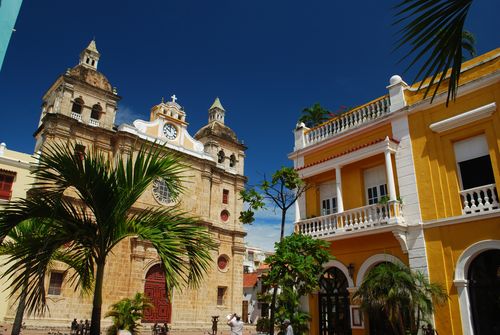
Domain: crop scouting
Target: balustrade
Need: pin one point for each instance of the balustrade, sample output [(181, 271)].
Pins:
[(94, 122), (367, 217), (479, 199), (351, 119), (76, 116)]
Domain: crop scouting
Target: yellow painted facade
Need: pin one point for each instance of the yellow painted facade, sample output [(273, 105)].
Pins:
[(438, 179), (430, 222), (17, 164)]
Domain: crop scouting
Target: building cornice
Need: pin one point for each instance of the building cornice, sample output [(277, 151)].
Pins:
[(464, 118), (461, 219)]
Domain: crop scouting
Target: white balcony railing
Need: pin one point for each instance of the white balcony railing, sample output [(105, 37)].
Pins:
[(94, 122), (76, 116), (480, 199), (362, 218), (352, 119)]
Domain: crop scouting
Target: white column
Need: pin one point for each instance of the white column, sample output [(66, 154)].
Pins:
[(463, 298), (338, 183), (390, 175), (297, 211)]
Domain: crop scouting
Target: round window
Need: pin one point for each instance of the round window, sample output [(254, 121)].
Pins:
[(161, 192), (224, 215), (222, 262)]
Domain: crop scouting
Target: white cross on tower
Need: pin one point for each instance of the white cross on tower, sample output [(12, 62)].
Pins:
[(174, 98)]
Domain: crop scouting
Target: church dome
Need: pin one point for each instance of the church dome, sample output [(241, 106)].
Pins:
[(219, 130), (91, 77)]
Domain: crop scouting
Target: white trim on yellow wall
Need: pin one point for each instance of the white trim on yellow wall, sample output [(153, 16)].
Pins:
[(461, 281), (341, 267), (371, 261), (464, 118)]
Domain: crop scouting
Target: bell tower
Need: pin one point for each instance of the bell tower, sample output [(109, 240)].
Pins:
[(89, 57), (216, 112), (81, 96)]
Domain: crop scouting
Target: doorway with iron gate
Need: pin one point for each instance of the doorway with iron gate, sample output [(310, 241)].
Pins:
[(334, 318)]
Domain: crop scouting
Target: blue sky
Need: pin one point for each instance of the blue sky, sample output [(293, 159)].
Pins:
[(266, 60)]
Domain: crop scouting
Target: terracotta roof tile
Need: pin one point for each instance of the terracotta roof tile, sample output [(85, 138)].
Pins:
[(250, 279)]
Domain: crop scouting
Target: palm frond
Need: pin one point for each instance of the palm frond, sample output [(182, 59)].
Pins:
[(433, 29)]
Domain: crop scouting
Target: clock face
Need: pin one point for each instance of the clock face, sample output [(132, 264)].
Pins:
[(170, 131)]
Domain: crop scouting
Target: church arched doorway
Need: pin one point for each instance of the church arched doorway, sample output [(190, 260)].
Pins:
[(333, 299), (484, 292), (155, 289)]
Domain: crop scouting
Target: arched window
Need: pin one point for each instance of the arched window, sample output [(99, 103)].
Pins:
[(96, 112), (232, 160), (221, 156), (77, 106)]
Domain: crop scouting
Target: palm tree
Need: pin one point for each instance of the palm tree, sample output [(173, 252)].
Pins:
[(87, 203), (314, 115), (28, 235), (127, 312), (468, 44), (403, 296), (434, 31)]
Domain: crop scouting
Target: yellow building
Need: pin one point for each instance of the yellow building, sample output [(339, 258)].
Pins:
[(14, 183), (401, 179)]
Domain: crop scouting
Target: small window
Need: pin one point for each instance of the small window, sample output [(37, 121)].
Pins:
[(77, 106), (221, 156), (232, 160), (376, 193), (93, 62), (221, 295), (6, 182), (55, 284), (329, 206), (472, 155), (96, 112), (225, 196)]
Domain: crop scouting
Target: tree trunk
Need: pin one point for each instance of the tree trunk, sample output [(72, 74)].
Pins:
[(95, 321), (275, 290), (18, 320)]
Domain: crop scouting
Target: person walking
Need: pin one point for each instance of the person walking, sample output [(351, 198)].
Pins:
[(236, 324), (288, 327)]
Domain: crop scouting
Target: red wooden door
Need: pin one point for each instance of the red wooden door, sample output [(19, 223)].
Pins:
[(155, 290)]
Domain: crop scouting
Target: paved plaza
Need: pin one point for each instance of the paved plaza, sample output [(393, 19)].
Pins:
[(5, 329)]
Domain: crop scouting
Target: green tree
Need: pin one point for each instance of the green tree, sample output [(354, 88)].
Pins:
[(29, 233), (434, 29), (126, 314), (314, 115), (295, 268), (284, 188), (87, 203), (404, 296)]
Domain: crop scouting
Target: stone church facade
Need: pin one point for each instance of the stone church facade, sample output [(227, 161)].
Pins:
[(81, 107)]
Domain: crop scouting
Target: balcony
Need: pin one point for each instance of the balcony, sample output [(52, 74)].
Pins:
[(367, 218), (479, 199), (76, 116), (359, 116), (94, 122)]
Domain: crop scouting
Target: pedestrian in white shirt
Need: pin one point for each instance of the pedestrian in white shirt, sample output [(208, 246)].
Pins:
[(236, 324), (288, 329)]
